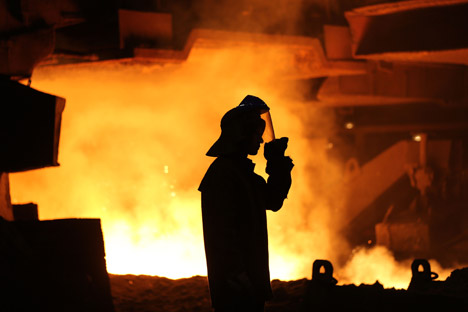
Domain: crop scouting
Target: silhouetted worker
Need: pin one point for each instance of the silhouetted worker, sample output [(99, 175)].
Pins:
[(234, 204)]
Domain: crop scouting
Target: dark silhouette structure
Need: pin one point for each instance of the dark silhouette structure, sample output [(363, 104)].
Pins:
[(53, 265), (234, 204), (424, 292)]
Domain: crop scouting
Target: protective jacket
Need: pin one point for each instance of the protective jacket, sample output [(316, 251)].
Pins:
[(234, 204)]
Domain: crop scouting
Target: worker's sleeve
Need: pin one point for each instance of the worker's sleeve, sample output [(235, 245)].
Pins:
[(222, 220), (278, 182)]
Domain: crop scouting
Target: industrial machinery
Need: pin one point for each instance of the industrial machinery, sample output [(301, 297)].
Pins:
[(392, 74)]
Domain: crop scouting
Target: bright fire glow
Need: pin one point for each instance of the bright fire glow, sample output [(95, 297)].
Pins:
[(369, 265), (132, 153)]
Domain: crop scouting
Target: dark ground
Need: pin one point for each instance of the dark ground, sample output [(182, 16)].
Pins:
[(140, 293)]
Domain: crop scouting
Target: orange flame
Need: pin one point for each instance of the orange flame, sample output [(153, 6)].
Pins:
[(378, 264), (132, 154)]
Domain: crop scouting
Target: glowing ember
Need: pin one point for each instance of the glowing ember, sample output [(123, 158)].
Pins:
[(349, 125), (417, 137)]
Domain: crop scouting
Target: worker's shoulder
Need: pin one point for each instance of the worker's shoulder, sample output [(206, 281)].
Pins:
[(221, 172), (222, 166)]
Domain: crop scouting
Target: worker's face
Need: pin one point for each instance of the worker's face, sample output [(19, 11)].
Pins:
[(255, 140)]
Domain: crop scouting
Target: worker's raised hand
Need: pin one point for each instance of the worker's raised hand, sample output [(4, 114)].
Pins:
[(276, 148), (277, 163)]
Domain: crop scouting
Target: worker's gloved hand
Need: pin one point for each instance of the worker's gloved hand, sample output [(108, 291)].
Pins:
[(277, 163), (275, 149)]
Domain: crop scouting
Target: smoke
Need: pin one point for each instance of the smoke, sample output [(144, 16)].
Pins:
[(273, 17), (132, 152)]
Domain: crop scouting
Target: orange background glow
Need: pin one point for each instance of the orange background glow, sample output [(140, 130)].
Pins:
[(132, 153)]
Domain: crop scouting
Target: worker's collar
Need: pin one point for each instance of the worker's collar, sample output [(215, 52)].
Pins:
[(243, 162)]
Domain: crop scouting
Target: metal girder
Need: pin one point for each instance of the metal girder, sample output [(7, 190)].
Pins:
[(423, 30), (398, 83)]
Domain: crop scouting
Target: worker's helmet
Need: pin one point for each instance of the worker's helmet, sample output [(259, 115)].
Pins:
[(255, 103), (252, 111)]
